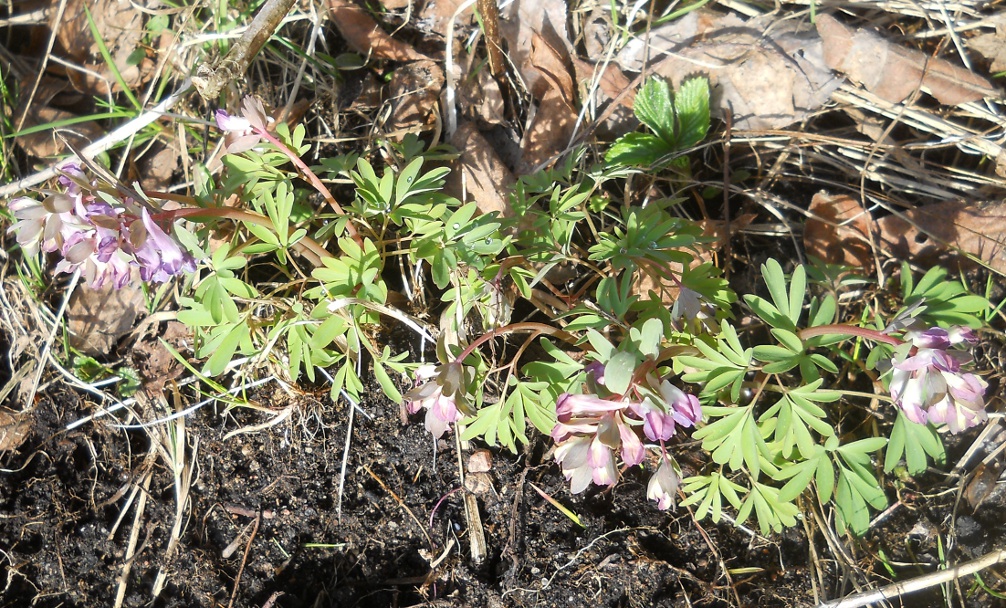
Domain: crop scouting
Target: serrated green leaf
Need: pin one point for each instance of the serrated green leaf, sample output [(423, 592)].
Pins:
[(691, 106), (654, 107), (637, 150)]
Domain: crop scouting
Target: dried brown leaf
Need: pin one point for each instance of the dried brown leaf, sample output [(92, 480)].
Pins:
[(553, 123), (992, 46), (365, 36), (120, 25), (415, 91), (479, 172), (767, 77), (837, 230), (893, 72), (97, 318), (525, 19), (934, 233), (14, 428), (154, 362), (482, 99)]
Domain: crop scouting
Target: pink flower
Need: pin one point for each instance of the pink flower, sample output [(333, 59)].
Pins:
[(589, 430), (243, 132), (95, 234), (927, 382), (436, 396), (663, 485), (674, 408), (159, 255)]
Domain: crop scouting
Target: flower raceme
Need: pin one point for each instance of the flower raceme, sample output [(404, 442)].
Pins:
[(927, 382), (591, 430), (104, 235)]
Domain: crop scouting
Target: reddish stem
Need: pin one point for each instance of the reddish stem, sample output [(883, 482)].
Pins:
[(540, 328), (316, 251), (311, 177), (851, 331)]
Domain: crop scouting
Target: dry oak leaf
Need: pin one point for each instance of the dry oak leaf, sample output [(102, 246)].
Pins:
[(552, 127), (933, 233), (120, 25), (992, 46), (478, 173), (97, 318), (893, 72), (837, 230), (520, 22), (365, 36), (768, 77), (14, 428), (415, 91)]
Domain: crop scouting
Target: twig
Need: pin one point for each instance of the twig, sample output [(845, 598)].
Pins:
[(210, 80), (102, 145), (401, 503), (244, 559), (345, 452), (919, 583)]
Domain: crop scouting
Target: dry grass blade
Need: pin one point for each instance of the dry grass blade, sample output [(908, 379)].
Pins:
[(899, 590)]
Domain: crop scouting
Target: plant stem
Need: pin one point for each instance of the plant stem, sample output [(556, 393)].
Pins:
[(513, 328), (851, 331), (311, 177), (315, 252)]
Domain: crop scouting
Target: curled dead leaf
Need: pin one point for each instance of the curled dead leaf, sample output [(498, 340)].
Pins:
[(415, 91), (934, 233), (479, 172), (837, 231), (767, 77), (14, 428), (365, 36), (894, 72), (97, 318)]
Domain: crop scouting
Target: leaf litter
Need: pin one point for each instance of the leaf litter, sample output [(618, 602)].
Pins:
[(770, 72)]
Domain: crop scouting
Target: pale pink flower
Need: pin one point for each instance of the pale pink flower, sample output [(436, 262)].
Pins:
[(243, 132), (674, 408), (441, 407), (663, 485), (927, 382)]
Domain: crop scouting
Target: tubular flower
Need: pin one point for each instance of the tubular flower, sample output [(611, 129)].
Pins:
[(436, 396), (674, 408), (927, 382), (103, 241), (663, 484), (589, 431), (243, 132)]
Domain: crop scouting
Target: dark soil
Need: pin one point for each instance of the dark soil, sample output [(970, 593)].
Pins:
[(262, 527)]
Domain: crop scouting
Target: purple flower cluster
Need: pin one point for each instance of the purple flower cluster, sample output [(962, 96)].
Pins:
[(591, 430), (927, 382), (100, 234)]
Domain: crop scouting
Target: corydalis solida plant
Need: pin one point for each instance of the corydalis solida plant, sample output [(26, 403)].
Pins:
[(98, 230)]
